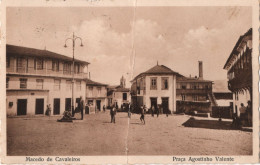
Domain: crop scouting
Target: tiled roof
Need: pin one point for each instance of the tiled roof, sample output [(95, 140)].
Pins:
[(234, 51), (192, 79), (158, 69), (93, 83), (25, 51), (122, 90)]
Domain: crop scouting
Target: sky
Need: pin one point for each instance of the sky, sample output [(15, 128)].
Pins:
[(125, 41)]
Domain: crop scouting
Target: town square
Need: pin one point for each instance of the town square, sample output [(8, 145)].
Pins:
[(125, 81)]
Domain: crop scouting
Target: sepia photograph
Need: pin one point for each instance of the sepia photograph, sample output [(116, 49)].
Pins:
[(130, 81)]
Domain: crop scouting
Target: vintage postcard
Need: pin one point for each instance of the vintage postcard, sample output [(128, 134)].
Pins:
[(129, 82)]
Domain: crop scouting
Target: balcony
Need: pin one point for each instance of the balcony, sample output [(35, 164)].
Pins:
[(193, 91), (31, 71)]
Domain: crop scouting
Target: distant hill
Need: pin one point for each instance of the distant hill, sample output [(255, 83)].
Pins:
[(220, 86)]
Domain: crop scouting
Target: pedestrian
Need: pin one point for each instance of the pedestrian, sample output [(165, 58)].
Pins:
[(129, 112), (81, 107), (152, 109), (242, 110), (249, 113), (167, 112), (104, 108), (142, 115), (113, 113), (158, 110), (48, 110)]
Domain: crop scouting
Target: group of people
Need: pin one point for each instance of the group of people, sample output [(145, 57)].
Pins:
[(246, 114)]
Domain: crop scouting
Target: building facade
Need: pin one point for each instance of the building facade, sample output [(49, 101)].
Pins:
[(96, 95), (36, 78), (119, 95), (172, 91), (239, 71), (155, 86), (194, 93)]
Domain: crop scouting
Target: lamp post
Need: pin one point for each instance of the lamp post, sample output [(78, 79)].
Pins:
[(73, 39)]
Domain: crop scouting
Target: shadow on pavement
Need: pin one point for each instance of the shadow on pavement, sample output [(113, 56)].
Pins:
[(212, 124), (137, 123)]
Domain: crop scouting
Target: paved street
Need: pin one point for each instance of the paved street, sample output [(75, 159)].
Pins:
[(95, 135)]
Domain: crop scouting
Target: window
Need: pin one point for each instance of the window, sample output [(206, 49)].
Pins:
[(39, 83), (78, 83), (195, 97), (68, 85), (55, 65), (90, 91), (7, 82), (38, 64), (67, 68), (194, 86), (56, 85), (183, 97), (183, 86), (153, 83), (21, 64), (76, 68), (23, 83), (7, 62), (164, 83), (124, 96), (99, 91)]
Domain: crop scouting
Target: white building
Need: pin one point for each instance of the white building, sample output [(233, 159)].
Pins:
[(96, 95), (119, 95), (155, 86), (36, 78)]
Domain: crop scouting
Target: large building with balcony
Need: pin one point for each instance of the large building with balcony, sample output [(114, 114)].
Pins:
[(194, 93), (239, 71), (36, 78), (171, 91)]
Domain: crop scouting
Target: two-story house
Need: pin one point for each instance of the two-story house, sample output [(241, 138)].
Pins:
[(96, 95), (155, 86), (36, 78), (119, 95), (239, 71)]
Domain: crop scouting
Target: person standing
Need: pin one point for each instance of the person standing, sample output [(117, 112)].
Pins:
[(242, 110), (158, 110), (81, 107), (104, 108), (249, 113), (153, 109), (142, 115), (113, 113)]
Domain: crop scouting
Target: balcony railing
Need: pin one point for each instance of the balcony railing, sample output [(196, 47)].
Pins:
[(44, 72), (193, 91)]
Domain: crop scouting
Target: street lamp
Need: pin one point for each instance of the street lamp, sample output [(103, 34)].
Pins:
[(73, 39)]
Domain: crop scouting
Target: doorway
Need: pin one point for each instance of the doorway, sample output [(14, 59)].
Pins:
[(21, 106), (68, 104), (98, 103), (56, 106), (165, 104), (154, 102), (39, 106)]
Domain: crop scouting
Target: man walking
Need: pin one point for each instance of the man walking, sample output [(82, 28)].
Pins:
[(152, 111), (158, 110), (113, 113), (142, 114), (81, 107)]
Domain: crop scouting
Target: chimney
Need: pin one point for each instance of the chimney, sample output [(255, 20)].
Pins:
[(200, 70)]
